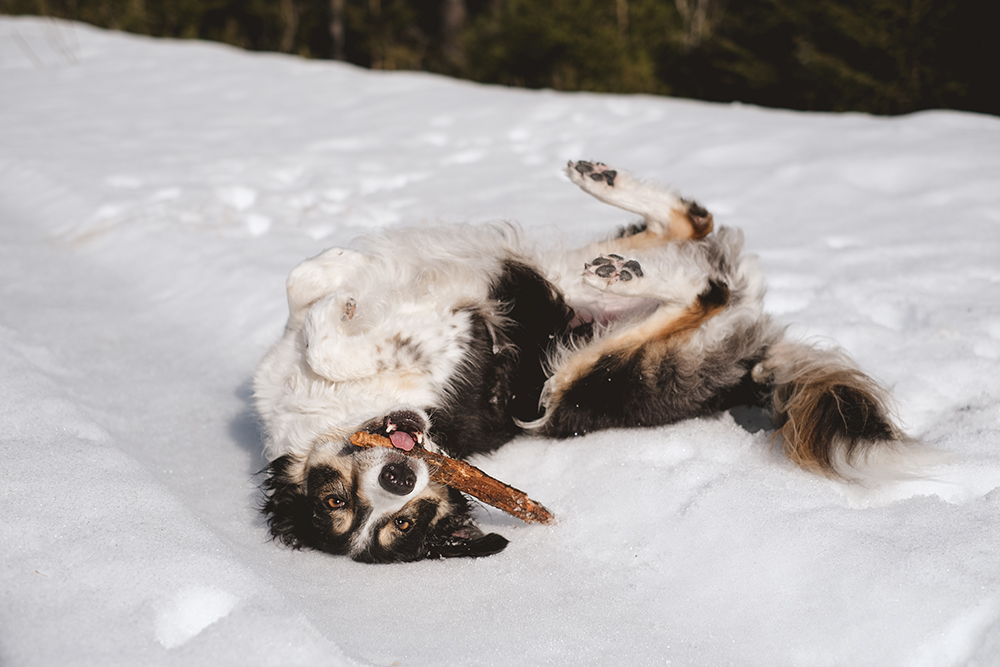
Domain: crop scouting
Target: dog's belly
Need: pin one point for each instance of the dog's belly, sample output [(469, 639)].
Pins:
[(604, 309)]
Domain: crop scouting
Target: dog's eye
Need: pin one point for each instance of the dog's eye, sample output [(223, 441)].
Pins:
[(403, 524), (335, 503)]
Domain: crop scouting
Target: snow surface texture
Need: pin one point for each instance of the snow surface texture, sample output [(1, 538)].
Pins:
[(155, 194)]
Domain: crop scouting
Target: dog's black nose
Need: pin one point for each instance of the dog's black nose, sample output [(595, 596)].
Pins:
[(397, 478)]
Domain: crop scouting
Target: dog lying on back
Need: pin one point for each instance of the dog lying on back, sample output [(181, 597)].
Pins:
[(459, 338)]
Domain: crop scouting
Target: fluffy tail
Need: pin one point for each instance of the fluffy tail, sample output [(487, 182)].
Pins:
[(833, 419)]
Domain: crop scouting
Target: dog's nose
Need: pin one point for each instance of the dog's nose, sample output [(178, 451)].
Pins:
[(397, 478)]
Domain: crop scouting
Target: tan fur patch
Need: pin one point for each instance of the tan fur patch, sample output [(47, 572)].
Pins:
[(664, 329)]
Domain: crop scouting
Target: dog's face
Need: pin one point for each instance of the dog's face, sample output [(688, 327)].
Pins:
[(375, 505)]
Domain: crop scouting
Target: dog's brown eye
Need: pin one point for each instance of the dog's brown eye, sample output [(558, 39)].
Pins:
[(403, 524), (335, 502)]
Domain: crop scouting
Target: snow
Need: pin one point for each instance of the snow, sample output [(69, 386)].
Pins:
[(154, 194)]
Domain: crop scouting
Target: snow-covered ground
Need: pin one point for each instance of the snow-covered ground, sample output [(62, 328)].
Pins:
[(154, 195)]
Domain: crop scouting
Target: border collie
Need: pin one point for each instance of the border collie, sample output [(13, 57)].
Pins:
[(461, 338)]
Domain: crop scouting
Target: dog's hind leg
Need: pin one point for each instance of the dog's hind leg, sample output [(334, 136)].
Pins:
[(639, 375), (681, 354), (666, 216)]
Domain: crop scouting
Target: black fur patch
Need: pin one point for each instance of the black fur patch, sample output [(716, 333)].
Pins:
[(611, 394), (288, 509), (631, 230), (538, 316), (656, 384), (503, 375), (717, 294), (634, 390)]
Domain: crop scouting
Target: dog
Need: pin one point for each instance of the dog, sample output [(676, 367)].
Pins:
[(459, 338)]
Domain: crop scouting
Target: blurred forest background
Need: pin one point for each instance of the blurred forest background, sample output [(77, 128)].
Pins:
[(878, 56)]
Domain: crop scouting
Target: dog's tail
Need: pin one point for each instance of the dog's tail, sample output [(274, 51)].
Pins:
[(832, 418)]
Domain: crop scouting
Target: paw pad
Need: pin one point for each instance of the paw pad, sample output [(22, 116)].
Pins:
[(598, 171), (605, 270), (614, 267)]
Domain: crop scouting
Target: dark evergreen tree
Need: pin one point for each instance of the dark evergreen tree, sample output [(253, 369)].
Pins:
[(880, 56)]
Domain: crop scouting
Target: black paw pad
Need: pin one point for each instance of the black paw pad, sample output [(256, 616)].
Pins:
[(605, 270), (612, 266), (598, 171), (633, 267)]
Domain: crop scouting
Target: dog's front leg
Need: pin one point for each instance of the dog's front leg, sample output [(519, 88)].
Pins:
[(634, 376)]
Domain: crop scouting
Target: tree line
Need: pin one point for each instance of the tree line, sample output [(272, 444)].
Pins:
[(877, 56)]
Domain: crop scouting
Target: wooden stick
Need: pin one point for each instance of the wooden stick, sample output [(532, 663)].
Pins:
[(468, 479)]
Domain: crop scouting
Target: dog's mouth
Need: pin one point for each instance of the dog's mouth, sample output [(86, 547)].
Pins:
[(404, 429)]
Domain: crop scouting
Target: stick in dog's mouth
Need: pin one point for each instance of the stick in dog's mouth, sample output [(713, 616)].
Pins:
[(467, 479)]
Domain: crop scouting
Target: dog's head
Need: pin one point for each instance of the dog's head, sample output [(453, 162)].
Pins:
[(375, 505)]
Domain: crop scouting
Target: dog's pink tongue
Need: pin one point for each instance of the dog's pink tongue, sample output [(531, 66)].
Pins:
[(402, 440)]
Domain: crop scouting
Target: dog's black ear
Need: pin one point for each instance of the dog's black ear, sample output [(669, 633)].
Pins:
[(465, 541), (458, 536), (486, 545), (286, 505)]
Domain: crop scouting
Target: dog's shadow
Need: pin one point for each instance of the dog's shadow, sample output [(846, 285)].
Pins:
[(246, 430), (751, 418)]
